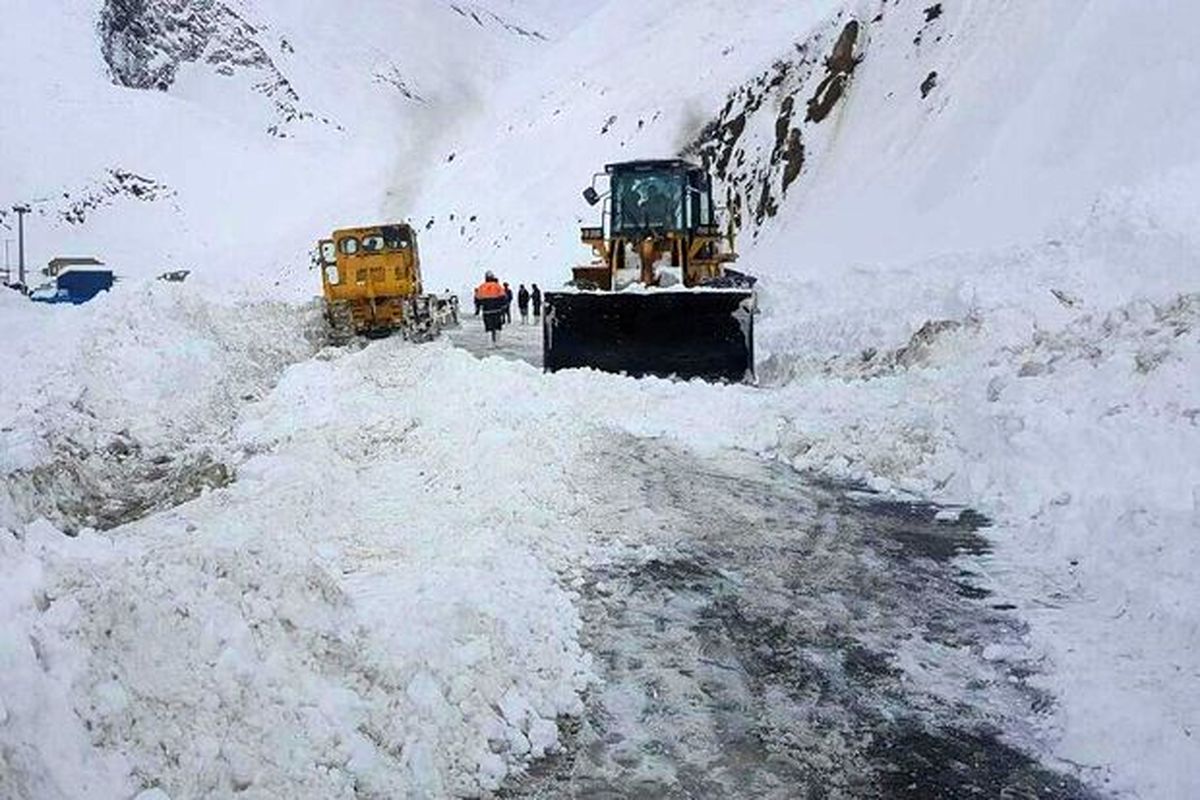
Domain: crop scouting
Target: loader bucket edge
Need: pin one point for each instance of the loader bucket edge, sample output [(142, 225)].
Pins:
[(683, 334)]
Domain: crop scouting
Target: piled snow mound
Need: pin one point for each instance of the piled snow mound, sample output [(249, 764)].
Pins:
[(1081, 438), (373, 606), (123, 405), (211, 658), (45, 752)]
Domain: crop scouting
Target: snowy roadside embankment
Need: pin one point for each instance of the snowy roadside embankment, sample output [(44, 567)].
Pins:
[(115, 408), (1082, 444), (374, 605), (1055, 388)]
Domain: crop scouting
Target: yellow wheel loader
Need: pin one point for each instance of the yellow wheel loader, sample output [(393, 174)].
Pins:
[(660, 298), (371, 278)]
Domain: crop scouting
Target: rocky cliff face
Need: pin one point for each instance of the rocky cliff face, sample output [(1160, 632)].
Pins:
[(758, 144), (778, 124), (145, 42)]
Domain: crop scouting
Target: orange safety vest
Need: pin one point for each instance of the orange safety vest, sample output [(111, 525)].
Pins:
[(489, 290)]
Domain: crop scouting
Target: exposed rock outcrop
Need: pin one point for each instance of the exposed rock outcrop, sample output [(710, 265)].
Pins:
[(145, 42), (757, 146)]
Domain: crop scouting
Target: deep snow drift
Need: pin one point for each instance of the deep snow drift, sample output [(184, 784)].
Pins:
[(980, 286)]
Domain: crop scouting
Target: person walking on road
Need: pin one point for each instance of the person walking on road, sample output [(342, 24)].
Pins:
[(523, 304), (493, 300), (536, 297), (508, 298)]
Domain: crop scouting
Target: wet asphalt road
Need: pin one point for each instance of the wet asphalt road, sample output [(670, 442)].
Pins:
[(778, 637)]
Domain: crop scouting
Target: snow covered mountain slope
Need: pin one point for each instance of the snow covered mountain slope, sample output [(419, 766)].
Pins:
[(223, 136), (1028, 121)]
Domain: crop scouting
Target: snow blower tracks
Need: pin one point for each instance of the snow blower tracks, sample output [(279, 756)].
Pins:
[(793, 640)]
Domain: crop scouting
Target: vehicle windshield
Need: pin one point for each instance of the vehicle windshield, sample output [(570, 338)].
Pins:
[(389, 238), (647, 200), (396, 236)]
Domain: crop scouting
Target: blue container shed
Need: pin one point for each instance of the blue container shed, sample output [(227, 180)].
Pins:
[(76, 286)]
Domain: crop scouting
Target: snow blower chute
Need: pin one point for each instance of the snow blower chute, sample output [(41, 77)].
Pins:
[(660, 298)]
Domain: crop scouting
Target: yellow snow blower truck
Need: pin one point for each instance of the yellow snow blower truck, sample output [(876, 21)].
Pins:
[(660, 298), (372, 284)]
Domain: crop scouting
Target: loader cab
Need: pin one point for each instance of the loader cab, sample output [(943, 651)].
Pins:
[(659, 228), (656, 197)]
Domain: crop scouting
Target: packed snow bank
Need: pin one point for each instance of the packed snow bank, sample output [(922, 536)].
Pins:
[(45, 751), (110, 409), (1053, 387), (373, 606), (1083, 445)]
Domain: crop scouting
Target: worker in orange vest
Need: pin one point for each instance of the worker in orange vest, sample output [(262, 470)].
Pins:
[(492, 298)]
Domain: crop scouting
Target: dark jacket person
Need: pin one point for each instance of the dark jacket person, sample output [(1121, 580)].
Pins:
[(494, 301), (523, 303)]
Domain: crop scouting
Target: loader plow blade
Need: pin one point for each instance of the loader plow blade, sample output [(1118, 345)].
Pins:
[(706, 334)]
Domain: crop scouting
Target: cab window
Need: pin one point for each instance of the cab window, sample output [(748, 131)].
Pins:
[(396, 237), (646, 200), (372, 243), (348, 246)]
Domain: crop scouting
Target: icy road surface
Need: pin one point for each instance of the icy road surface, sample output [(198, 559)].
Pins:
[(516, 342), (757, 655), (786, 638)]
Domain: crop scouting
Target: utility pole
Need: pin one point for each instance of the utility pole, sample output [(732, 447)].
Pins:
[(7, 265), (21, 211)]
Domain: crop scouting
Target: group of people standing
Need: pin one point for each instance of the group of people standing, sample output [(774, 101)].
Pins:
[(494, 300)]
